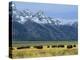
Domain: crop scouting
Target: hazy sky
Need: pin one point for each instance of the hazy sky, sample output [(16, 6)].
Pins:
[(53, 10)]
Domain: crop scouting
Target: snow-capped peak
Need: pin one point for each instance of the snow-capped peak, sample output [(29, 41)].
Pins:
[(38, 17)]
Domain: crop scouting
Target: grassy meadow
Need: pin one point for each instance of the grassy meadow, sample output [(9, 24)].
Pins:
[(46, 51)]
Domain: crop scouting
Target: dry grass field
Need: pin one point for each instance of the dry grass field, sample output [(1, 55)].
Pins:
[(44, 50)]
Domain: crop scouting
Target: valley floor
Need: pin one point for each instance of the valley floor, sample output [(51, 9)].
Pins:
[(43, 50)]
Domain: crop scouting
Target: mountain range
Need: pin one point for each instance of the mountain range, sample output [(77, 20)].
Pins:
[(30, 26)]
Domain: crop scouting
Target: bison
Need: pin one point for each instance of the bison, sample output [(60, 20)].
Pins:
[(69, 46), (54, 46), (48, 46), (62, 46), (23, 47), (74, 45), (38, 47)]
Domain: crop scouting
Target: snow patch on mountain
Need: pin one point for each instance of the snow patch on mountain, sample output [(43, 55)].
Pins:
[(38, 17)]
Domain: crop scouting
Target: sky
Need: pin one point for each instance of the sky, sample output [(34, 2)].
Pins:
[(52, 10)]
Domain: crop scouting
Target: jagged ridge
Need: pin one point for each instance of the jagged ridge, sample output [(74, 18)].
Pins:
[(38, 26)]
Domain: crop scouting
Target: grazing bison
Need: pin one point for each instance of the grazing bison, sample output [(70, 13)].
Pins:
[(48, 46), (62, 46), (74, 45), (23, 47), (38, 47), (54, 46), (69, 46)]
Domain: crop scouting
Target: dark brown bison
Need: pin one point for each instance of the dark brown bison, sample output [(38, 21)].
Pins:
[(60, 46), (54, 46), (48, 46), (23, 47), (74, 45), (39, 47), (69, 46)]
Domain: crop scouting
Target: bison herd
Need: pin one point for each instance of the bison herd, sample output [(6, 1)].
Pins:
[(48, 46)]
